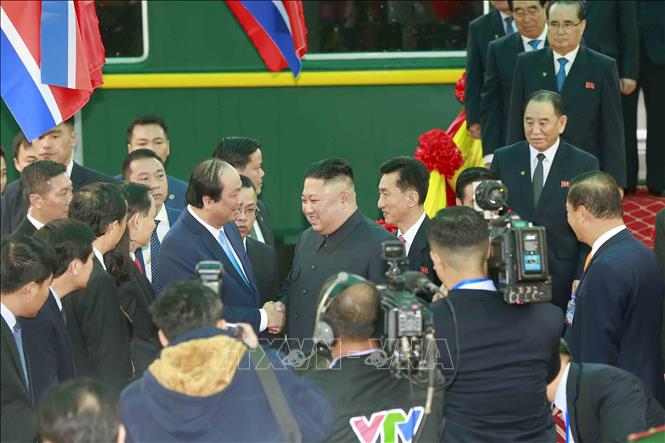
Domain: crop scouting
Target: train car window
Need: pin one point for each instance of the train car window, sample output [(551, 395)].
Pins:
[(124, 28), (375, 26)]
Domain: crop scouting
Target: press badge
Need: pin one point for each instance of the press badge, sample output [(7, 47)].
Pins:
[(570, 310)]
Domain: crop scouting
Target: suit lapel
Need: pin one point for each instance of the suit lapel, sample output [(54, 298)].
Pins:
[(523, 165), (575, 76), (419, 243), (76, 176), (559, 165), (547, 75), (572, 394), (233, 235), (8, 336), (498, 27), (612, 241)]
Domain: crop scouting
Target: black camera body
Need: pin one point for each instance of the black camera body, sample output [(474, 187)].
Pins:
[(518, 253)]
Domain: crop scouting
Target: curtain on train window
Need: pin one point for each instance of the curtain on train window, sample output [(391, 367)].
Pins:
[(124, 28)]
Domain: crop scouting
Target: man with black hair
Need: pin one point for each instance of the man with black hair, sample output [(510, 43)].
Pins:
[(205, 387), (47, 191), (402, 193), (596, 402), (359, 386), (340, 238), (26, 265), (83, 410), (502, 55), (244, 154), (536, 173), (615, 315), (56, 145), (497, 386), (146, 167), (47, 342), (464, 184), (206, 231), (151, 132), (95, 320), (23, 152), (587, 81)]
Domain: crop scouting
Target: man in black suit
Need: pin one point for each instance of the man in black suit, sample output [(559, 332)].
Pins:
[(262, 256), (146, 167), (45, 337), (26, 264), (95, 321), (56, 145), (502, 55), (340, 238), (588, 82), (615, 315), (244, 154), (482, 31), (651, 29), (601, 402), (402, 194), (23, 152), (48, 191), (499, 391), (536, 173)]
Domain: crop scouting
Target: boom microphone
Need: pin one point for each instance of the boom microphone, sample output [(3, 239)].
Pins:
[(417, 282)]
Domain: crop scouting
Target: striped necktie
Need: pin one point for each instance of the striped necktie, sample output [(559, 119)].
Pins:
[(561, 73), (154, 259), (559, 424)]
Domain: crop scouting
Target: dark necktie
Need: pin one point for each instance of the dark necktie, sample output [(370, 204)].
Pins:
[(18, 338), (154, 260), (64, 315), (534, 44), (509, 25), (561, 74), (538, 179)]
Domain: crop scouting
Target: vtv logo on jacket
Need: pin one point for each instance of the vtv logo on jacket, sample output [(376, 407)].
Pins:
[(390, 426)]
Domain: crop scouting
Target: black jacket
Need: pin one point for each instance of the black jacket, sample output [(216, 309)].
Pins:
[(419, 258), (264, 262)]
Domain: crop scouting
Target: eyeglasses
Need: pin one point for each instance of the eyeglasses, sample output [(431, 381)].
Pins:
[(531, 13), (248, 212), (566, 26)]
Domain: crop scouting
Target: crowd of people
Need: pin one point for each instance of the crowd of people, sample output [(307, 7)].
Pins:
[(109, 334)]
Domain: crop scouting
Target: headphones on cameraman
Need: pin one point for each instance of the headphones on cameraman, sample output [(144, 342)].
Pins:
[(323, 330)]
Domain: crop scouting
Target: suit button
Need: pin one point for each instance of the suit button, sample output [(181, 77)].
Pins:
[(304, 291)]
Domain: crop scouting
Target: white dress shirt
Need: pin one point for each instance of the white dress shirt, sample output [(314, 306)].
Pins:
[(57, 299), (162, 229), (503, 21), (215, 233), (600, 241), (70, 166), (547, 161), (410, 234), (560, 400), (8, 316), (541, 44), (99, 256), (36, 223), (259, 233), (570, 57)]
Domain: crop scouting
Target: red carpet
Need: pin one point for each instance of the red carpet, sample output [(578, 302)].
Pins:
[(639, 214)]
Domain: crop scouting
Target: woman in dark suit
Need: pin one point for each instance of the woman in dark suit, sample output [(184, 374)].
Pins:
[(134, 289)]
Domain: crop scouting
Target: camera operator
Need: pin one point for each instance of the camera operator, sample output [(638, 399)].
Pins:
[(507, 352), (464, 184), (206, 381), (358, 382)]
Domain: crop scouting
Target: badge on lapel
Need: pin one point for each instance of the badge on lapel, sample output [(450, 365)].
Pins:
[(565, 183), (522, 172), (545, 74), (424, 270), (590, 85)]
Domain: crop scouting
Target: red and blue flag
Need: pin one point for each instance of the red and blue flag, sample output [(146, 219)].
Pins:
[(51, 60), (277, 29)]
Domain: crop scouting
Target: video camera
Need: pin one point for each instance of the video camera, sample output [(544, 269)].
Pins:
[(518, 253), (209, 273)]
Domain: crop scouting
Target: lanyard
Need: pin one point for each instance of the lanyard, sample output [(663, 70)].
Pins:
[(468, 282)]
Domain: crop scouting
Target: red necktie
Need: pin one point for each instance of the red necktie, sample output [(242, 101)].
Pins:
[(559, 424), (138, 265), (587, 261), (402, 239)]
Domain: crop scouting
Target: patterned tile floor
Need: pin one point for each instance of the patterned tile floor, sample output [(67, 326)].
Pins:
[(639, 214)]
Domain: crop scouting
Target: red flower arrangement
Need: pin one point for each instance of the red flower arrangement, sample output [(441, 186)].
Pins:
[(388, 227), (438, 151), (460, 87)]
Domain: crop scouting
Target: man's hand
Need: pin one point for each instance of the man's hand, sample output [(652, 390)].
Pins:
[(248, 335), (276, 315), (474, 130), (627, 85)]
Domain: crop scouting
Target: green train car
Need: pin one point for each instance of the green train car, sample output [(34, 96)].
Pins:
[(377, 75)]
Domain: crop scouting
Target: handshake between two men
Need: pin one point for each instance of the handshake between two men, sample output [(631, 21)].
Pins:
[(276, 312)]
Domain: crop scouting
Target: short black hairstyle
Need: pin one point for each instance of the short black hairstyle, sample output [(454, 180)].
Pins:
[(470, 175), (3, 154), (79, 411), (17, 144), (70, 239), (413, 174), (510, 3), (206, 180), (581, 7), (458, 228), (138, 154), (147, 120), (330, 169), (24, 260), (247, 183), (545, 96), (35, 177), (98, 205), (184, 306), (598, 192), (236, 150), (354, 311), (138, 198)]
